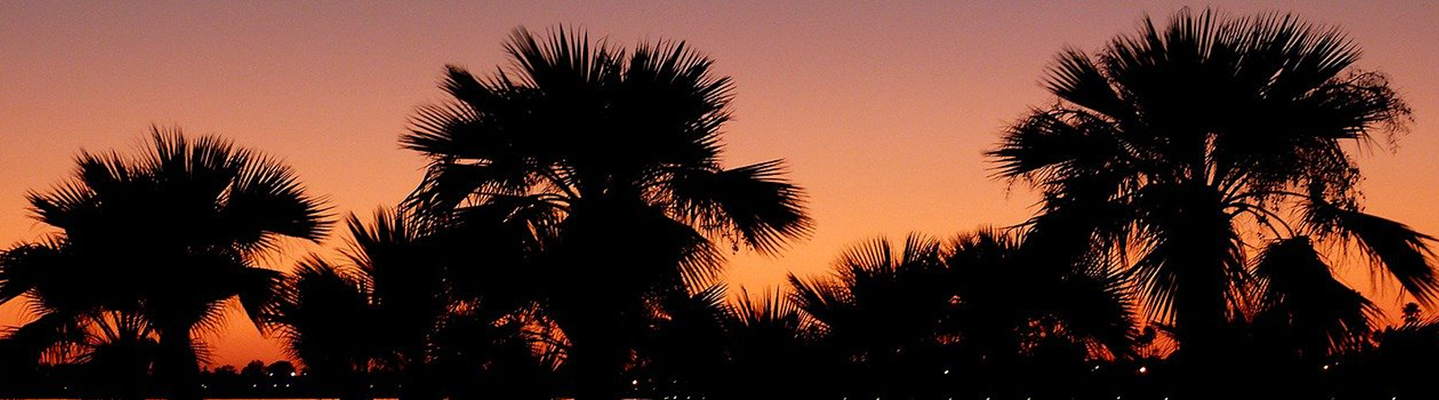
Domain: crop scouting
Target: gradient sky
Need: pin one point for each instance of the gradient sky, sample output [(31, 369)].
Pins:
[(881, 108)]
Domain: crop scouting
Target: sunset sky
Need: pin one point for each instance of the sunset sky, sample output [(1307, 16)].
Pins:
[(881, 108)]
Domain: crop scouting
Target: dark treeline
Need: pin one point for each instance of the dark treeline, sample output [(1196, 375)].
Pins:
[(568, 238)]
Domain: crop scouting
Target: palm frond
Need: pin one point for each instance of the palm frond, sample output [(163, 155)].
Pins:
[(268, 200), (1404, 253), (1298, 295)]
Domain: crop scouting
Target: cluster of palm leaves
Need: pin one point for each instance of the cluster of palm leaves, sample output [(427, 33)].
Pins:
[(922, 319), (149, 253), (1208, 157), (390, 308), (602, 166)]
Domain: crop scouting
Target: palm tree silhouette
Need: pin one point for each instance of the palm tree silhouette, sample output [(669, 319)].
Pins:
[(320, 314), (404, 276), (1185, 145), (393, 286), (170, 235), (609, 161)]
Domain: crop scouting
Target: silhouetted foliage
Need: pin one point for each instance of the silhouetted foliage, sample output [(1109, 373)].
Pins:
[(609, 159), (568, 236), (394, 288), (151, 250), (1179, 148)]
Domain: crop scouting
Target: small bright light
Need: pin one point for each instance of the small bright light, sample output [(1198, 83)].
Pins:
[(1143, 370), (1326, 367), (635, 382), (946, 372), (292, 374)]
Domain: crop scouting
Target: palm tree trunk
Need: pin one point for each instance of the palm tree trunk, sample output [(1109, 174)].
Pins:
[(598, 352), (177, 365), (1201, 244)]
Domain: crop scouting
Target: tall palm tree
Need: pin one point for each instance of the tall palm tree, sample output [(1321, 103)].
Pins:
[(1185, 144), (608, 161), (171, 235)]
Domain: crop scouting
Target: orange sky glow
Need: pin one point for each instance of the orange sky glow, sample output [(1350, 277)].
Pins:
[(881, 108)]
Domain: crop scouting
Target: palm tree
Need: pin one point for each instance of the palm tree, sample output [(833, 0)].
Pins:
[(171, 235), (393, 286), (1184, 145), (322, 314), (608, 162), (404, 275)]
